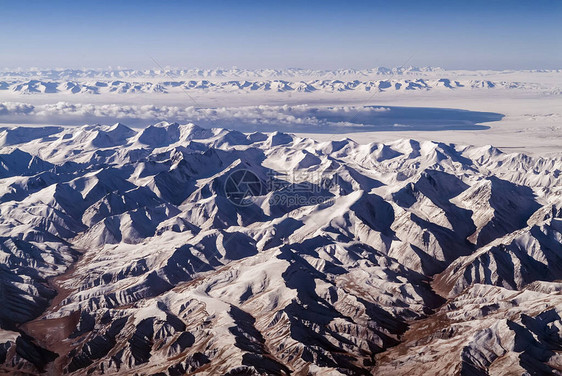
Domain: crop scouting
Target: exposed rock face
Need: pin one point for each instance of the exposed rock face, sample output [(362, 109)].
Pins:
[(334, 258)]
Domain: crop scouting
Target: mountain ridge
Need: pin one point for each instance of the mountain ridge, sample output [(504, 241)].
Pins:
[(332, 266)]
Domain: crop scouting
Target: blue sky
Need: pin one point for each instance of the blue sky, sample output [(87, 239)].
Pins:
[(475, 34)]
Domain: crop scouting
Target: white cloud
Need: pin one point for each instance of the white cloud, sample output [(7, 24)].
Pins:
[(286, 116), (13, 108)]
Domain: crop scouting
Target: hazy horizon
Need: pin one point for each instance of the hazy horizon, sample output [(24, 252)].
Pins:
[(167, 67)]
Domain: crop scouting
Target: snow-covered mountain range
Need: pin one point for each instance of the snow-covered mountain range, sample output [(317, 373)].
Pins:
[(176, 249), (334, 85), (59, 74), (123, 81), (228, 73)]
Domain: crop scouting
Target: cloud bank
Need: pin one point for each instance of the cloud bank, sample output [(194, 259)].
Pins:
[(285, 116)]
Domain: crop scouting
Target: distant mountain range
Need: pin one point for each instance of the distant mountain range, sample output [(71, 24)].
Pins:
[(69, 81), (177, 250), (60, 74), (237, 73), (164, 87)]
